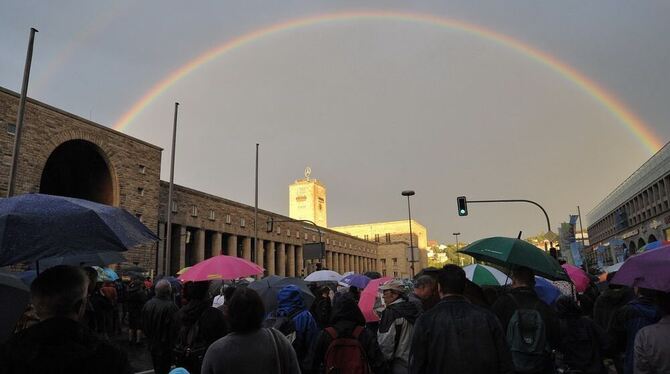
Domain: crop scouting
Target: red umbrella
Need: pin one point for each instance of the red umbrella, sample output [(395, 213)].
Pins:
[(577, 276), (221, 267), (368, 297)]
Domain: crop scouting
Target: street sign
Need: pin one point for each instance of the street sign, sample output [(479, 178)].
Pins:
[(313, 251)]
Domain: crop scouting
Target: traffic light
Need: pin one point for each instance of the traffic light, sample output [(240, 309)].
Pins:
[(462, 204), (270, 224)]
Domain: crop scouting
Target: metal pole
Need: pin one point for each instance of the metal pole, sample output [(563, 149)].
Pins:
[(581, 230), (168, 235), (459, 255), (516, 201), (256, 211), (20, 114), (411, 242)]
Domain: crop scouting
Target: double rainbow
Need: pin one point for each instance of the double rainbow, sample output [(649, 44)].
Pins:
[(634, 124)]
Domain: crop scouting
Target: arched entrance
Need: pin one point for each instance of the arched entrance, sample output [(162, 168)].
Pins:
[(652, 238), (640, 243), (632, 248), (77, 168)]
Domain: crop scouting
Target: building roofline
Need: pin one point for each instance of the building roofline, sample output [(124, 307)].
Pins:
[(78, 118), (414, 222)]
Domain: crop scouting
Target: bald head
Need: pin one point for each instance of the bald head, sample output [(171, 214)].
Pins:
[(163, 288)]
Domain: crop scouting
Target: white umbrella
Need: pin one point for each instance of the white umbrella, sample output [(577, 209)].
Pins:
[(486, 275), (323, 276), (613, 268)]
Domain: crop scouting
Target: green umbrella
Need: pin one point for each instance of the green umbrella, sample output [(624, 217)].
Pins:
[(510, 252)]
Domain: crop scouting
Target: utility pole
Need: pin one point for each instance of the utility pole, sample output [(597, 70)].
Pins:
[(19, 116), (256, 212), (168, 236)]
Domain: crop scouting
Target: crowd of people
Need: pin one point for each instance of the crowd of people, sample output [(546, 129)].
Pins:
[(440, 323)]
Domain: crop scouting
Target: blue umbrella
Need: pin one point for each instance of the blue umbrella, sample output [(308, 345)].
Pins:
[(356, 280), (36, 226), (546, 291)]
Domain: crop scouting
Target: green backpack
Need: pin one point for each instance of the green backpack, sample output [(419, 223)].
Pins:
[(527, 339)]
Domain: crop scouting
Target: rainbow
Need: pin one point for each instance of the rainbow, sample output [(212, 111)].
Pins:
[(633, 123)]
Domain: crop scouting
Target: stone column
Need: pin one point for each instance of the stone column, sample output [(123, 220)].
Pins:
[(281, 257), (271, 258), (260, 254), (340, 263), (299, 261), (329, 260), (347, 263), (199, 245), (291, 259), (246, 248), (217, 239), (182, 247), (232, 246)]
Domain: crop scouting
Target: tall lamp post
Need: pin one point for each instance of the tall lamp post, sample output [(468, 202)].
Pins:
[(409, 193), (456, 234)]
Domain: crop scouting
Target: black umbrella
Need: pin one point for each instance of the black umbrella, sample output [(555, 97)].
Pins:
[(269, 287), (14, 297), (36, 226), (85, 259)]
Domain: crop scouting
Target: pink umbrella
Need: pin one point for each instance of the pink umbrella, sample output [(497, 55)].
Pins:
[(368, 296), (221, 267), (578, 277)]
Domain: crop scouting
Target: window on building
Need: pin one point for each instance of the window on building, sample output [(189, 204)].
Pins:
[(11, 128), (383, 262), (395, 274), (212, 215), (305, 236), (174, 206), (140, 191), (288, 232), (243, 222), (366, 237), (388, 237), (377, 238), (194, 211), (142, 169), (228, 219), (395, 261), (278, 230)]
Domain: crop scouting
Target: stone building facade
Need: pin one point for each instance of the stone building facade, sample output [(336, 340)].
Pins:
[(63, 154)]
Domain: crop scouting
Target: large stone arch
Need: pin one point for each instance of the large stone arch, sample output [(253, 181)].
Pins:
[(79, 165)]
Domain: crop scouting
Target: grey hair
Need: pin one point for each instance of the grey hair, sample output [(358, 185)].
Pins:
[(163, 288)]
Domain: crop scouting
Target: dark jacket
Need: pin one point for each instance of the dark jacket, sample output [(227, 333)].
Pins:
[(157, 318), (583, 342), (608, 302), (345, 317), (61, 346), (321, 310), (627, 321), (212, 325), (458, 337)]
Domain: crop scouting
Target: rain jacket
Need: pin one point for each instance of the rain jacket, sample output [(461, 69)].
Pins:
[(460, 337), (395, 333), (157, 316), (211, 323), (61, 346), (608, 302), (628, 320), (345, 317), (652, 348), (290, 303)]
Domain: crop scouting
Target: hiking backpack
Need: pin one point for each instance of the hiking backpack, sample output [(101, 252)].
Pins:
[(189, 349), (527, 339), (283, 324), (345, 354)]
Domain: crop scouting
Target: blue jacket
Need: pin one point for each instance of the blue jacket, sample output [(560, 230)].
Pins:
[(628, 320), (290, 303)]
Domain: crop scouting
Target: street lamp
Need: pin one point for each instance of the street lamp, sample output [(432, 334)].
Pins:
[(456, 234), (409, 193)]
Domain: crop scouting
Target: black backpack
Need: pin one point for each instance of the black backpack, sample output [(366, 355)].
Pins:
[(189, 349), (527, 339), (283, 324)]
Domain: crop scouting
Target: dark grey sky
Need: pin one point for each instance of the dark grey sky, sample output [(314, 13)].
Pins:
[(374, 107)]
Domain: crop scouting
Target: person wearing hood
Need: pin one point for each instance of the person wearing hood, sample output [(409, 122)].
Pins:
[(346, 317), (290, 304), (60, 343), (582, 343), (157, 316), (198, 318), (396, 325), (629, 319), (457, 335)]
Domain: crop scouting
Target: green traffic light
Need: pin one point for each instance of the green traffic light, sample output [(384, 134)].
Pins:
[(462, 211)]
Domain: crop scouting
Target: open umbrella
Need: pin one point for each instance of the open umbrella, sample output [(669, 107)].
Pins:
[(483, 275), (613, 268), (546, 291), (510, 252), (221, 267), (14, 297), (323, 276), (269, 287), (578, 277), (653, 245), (368, 298), (646, 270), (356, 280), (182, 271), (102, 258), (36, 226)]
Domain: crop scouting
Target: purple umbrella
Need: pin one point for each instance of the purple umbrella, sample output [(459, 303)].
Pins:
[(646, 270), (356, 280)]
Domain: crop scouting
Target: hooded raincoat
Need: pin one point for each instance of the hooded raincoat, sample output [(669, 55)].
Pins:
[(290, 303)]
